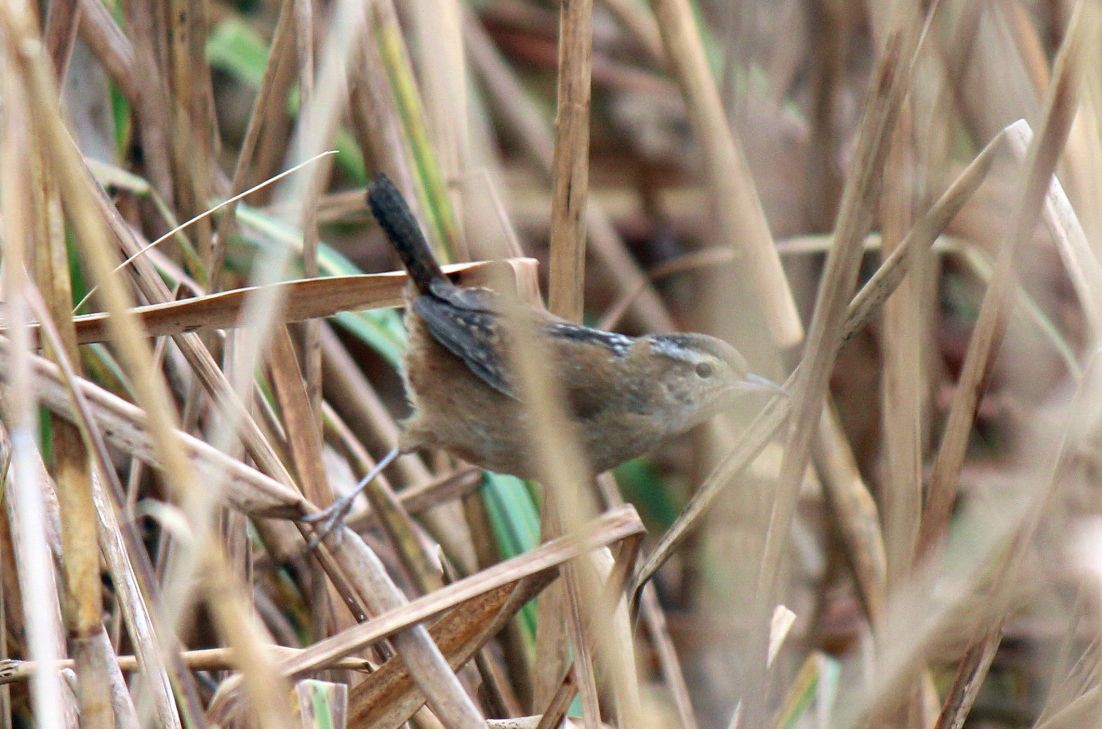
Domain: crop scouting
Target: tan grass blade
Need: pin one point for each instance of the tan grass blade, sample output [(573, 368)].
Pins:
[(126, 428), (861, 310), (124, 553), (608, 529), (304, 299), (740, 219), (566, 287), (526, 120), (1060, 107), (388, 697)]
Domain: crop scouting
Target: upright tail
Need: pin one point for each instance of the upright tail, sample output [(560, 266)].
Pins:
[(397, 221)]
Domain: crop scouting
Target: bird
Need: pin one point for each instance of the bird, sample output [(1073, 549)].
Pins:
[(624, 395)]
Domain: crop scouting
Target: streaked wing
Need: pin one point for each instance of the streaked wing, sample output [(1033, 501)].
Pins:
[(467, 323), (471, 332)]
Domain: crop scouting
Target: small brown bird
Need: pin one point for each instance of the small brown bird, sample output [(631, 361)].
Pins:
[(626, 395)]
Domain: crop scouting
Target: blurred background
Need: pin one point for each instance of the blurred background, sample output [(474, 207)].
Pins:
[(927, 515)]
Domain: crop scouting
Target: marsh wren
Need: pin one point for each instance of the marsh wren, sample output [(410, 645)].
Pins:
[(625, 395)]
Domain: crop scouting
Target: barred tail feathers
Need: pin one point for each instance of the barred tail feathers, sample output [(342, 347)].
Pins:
[(401, 228)]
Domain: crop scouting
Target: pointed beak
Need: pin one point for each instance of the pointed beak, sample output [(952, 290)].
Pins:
[(758, 383)]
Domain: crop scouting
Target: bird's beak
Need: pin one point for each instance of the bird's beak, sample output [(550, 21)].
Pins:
[(758, 383)]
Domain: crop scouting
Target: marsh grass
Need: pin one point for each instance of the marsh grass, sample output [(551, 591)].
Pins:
[(890, 207)]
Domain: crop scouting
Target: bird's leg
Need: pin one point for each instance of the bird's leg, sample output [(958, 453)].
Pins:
[(333, 515)]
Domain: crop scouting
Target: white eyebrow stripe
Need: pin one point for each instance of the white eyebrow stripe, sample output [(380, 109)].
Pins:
[(676, 351)]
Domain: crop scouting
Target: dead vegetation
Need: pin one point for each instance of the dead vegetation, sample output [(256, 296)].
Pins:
[(887, 206)]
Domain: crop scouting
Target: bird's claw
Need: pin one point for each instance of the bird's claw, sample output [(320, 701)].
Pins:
[(333, 515), (328, 519)]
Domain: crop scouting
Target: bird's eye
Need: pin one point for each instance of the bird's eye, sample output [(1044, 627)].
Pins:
[(703, 370)]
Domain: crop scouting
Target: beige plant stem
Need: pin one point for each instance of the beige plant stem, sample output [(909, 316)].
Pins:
[(1060, 107), (524, 118), (81, 567), (25, 496), (135, 354), (569, 198), (126, 559), (860, 312), (740, 220), (889, 85)]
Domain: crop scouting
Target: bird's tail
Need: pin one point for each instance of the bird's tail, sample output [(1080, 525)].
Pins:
[(401, 228)]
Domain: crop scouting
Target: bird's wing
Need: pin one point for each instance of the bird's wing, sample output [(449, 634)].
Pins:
[(463, 320), (466, 321)]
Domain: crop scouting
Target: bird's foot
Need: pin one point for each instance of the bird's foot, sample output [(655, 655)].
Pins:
[(331, 517)]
